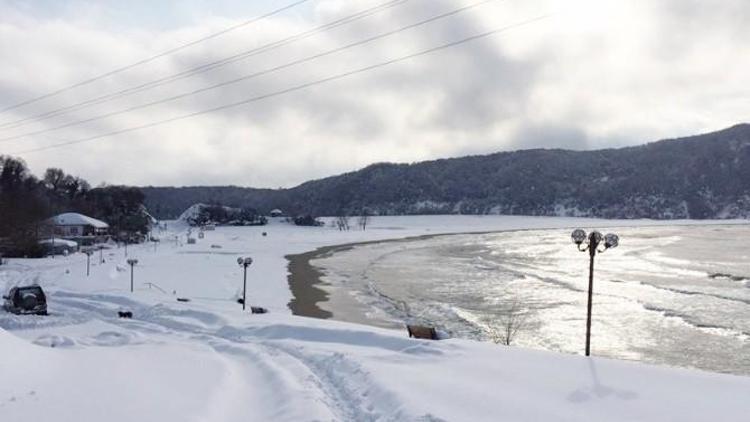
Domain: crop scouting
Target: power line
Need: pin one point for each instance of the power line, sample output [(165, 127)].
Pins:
[(253, 75), (292, 89), (206, 66), (152, 58)]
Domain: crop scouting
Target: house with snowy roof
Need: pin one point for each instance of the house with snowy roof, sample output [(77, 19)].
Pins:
[(78, 227)]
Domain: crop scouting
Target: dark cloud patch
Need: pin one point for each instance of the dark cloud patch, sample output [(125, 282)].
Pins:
[(479, 87)]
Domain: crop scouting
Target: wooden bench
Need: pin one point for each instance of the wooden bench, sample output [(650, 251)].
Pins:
[(421, 331)]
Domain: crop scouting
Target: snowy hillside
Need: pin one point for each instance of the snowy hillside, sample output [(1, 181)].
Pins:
[(206, 360), (697, 177), (191, 213)]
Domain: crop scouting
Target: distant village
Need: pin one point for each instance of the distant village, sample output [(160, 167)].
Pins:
[(72, 232), (63, 214)]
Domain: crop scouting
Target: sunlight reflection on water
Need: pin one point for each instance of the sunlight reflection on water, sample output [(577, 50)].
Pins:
[(670, 295)]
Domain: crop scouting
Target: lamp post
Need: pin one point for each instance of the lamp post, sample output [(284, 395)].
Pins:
[(132, 263), (591, 243), (88, 253), (244, 262)]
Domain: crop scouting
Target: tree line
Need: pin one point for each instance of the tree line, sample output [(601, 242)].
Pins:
[(223, 215), (26, 201)]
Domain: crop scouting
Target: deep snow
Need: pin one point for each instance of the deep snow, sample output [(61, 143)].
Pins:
[(205, 360)]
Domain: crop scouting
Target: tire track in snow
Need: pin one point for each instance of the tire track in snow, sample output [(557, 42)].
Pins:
[(349, 388), (285, 384), (157, 319), (294, 372), (247, 390)]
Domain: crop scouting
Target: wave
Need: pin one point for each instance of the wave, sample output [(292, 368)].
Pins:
[(696, 293), (740, 278), (702, 326)]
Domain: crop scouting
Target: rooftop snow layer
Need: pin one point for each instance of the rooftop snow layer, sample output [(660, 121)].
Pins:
[(76, 219), (59, 242)]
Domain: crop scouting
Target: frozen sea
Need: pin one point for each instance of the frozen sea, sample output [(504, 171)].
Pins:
[(675, 295)]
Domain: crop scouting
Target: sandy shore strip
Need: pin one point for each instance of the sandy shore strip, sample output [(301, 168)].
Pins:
[(305, 278)]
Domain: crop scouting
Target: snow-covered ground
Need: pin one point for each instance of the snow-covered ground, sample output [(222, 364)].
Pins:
[(206, 360)]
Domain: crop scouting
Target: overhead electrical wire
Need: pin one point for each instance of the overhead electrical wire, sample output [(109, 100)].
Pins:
[(152, 58), (254, 75), (204, 67), (292, 89)]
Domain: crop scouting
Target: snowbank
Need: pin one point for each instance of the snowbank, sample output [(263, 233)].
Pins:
[(206, 360)]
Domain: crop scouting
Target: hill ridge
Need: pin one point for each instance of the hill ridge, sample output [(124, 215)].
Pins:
[(699, 176)]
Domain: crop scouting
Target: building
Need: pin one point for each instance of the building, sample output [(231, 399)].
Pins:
[(276, 213), (78, 227), (59, 246)]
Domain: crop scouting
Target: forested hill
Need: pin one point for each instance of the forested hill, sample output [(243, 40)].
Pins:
[(704, 176)]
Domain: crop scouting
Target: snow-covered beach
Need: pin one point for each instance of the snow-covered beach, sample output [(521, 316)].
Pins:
[(672, 295), (207, 360)]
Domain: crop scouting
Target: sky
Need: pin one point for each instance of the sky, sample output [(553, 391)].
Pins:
[(575, 74)]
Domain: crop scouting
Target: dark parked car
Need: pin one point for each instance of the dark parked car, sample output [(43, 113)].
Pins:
[(26, 300)]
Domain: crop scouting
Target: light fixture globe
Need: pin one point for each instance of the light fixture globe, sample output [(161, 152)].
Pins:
[(596, 237), (611, 240), (240, 261), (244, 261), (578, 236)]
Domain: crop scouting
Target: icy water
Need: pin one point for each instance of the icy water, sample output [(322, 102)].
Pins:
[(678, 296)]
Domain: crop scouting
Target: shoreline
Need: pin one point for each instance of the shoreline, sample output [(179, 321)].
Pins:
[(304, 279)]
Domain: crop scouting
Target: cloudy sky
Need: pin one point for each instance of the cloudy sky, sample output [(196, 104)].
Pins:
[(591, 74)]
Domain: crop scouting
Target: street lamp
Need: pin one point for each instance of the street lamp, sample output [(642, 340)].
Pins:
[(244, 262), (591, 243), (88, 253), (132, 263)]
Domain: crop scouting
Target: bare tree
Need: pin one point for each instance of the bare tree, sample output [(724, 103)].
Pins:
[(364, 220), (342, 222), (511, 319)]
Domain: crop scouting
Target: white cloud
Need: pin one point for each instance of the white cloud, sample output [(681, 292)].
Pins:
[(595, 74)]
